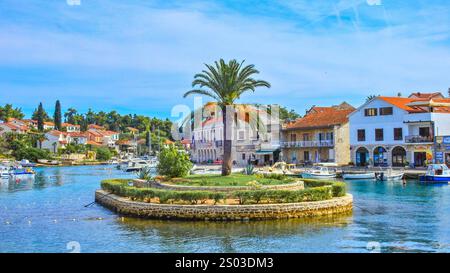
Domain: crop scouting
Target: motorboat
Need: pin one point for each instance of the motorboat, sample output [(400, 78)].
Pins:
[(49, 162), (135, 165), (4, 172), (26, 163), (359, 176), (436, 173), (390, 175), (319, 172), (19, 171)]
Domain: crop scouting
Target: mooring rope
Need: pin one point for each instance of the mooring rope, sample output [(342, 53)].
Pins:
[(90, 204)]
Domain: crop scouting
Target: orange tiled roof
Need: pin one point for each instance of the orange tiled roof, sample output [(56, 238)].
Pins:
[(77, 134), (69, 125), (421, 95), (90, 142), (321, 117), (405, 104)]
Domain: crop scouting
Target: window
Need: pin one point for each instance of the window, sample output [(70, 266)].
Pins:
[(424, 131), (243, 156), (241, 135), (398, 133), (247, 117), (305, 137), (306, 155), (361, 135), (379, 135), (386, 111), (370, 112), (293, 137)]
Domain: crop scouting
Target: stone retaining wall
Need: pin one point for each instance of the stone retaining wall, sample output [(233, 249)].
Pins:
[(125, 206), (298, 185)]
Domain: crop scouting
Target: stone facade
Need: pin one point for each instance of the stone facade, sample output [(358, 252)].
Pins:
[(297, 185), (124, 206)]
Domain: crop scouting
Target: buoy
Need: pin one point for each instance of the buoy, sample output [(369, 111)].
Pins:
[(74, 219), (29, 222), (55, 221), (8, 223)]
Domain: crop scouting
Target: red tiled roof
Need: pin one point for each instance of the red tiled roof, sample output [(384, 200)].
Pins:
[(407, 104), (49, 123), (90, 142), (56, 133), (69, 125), (77, 134), (321, 117), (421, 95), (185, 141), (15, 127), (95, 126)]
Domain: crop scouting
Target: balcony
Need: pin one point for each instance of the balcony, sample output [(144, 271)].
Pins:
[(307, 144), (419, 139)]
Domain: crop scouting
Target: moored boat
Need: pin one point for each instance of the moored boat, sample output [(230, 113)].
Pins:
[(390, 176), (318, 172), (436, 173), (359, 176), (4, 172)]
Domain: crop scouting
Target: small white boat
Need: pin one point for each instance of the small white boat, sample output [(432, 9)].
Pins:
[(319, 172), (390, 176), (136, 165), (4, 172), (359, 176), (26, 163)]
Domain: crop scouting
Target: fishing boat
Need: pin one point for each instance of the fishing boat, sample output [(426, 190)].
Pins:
[(19, 171), (359, 176), (319, 172), (436, 173), (390, 175)]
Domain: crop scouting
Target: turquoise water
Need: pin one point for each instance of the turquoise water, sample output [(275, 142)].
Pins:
[(48, 214)]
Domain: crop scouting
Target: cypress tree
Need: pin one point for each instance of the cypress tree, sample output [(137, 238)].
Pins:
[(40, 117), (57, 116)]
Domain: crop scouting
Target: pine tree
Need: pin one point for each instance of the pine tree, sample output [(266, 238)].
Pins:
[(57, 116), (40, 117)]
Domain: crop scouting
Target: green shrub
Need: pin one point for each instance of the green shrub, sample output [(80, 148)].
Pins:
[(173, 162), (145, 173), (338, 189), (316, 191), (103, 154), (276, 176)]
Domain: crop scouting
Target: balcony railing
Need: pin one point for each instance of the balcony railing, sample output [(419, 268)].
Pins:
[(419, 139), (306, 144)]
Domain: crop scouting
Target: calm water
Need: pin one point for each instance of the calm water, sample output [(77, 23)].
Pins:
[(47, 214)]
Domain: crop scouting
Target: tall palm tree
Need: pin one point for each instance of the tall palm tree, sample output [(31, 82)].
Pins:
[(225, 83)]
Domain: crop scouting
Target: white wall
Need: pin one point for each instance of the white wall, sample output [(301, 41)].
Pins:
[(441, 123), (359, 121)]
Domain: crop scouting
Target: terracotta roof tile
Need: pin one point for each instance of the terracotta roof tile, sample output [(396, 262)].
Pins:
[(320, 117)]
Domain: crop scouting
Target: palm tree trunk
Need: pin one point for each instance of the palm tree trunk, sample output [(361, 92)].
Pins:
[(227, 143)]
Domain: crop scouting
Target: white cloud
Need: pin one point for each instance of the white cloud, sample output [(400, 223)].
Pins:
[(300, 62)]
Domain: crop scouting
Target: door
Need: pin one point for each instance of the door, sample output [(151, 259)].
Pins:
[(447, 159), (420, 159)]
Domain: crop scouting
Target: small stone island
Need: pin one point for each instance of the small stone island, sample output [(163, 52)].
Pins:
[(234, 197)]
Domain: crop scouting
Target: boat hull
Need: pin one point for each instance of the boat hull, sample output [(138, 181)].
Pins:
[(363, 176), (434, 179), (318, 176), (397, 177)]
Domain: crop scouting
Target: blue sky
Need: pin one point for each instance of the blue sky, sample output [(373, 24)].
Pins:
[(140, 56)]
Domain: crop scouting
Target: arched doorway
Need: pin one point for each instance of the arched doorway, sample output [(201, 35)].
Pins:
[(362, 156), (398, 157), (379, 156)]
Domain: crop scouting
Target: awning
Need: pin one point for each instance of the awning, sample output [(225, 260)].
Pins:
[(265, 152)]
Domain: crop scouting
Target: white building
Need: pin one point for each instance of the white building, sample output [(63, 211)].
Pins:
[(56, 139), (71, 127), (396, 131), (260, 146)]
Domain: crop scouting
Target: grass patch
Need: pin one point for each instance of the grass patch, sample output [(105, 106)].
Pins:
[(231, 180)]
